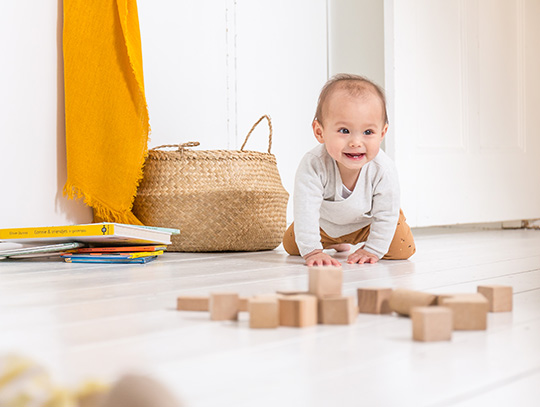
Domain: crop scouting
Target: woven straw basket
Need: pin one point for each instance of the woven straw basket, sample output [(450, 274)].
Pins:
[(221, 200)]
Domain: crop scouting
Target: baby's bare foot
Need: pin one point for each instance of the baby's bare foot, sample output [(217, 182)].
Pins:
[(341, 247)]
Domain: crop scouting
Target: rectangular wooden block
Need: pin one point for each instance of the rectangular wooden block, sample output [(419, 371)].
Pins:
[(402, 300), (500, 297), (432, 324), (298, 310), (263, 313), (192, 303), (325, 281), (374, 300), (469, 312), (224, 306), (337, 311)]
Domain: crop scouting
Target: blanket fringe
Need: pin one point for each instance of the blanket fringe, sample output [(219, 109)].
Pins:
[(102, 212)]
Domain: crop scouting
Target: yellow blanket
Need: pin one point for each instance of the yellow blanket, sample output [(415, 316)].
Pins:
[(106, 115)]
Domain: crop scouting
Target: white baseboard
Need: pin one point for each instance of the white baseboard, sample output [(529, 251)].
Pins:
[(532, 224), (512, 224)]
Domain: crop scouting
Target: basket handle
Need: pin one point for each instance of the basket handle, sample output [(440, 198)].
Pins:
[(253, 128), (180, 146)]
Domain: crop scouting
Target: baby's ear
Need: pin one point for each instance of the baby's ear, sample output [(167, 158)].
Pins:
[(384, 130), (318, 131)]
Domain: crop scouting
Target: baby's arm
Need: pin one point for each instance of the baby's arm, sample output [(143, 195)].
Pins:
[(308, 197), (385, 212)]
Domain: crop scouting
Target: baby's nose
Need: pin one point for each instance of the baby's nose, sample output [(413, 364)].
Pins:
[(355, 141)]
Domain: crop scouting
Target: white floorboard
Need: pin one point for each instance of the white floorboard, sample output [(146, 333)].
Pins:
[(98, 321)]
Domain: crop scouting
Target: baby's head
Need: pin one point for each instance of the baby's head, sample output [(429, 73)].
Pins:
[(354, 86), (351, 121)]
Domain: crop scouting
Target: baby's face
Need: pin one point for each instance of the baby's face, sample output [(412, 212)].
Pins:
[(352, 130)]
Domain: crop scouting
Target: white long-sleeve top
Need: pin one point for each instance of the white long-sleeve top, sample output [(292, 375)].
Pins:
[(319, 202)]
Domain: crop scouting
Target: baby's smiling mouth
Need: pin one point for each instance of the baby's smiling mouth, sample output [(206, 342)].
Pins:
[(356, 156)]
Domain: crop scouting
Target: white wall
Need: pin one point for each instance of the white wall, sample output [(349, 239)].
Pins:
[(356, 42), (32, 146), (356, 38)]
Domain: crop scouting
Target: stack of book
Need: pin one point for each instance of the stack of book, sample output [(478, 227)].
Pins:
[(90, 243)]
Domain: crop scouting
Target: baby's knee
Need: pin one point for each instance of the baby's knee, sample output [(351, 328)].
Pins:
[(289, 242), (402, 251), (408, 251), (291, 249)]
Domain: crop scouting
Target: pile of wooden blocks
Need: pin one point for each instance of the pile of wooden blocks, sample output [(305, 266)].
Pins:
[(434, 317)]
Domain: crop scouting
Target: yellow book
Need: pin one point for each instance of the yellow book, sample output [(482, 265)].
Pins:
[(106, 233)]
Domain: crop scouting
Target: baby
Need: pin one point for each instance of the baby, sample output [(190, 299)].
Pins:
[(346, 189)]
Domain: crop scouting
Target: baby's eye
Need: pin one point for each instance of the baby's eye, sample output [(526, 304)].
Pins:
[(368, 132), (344, 131)]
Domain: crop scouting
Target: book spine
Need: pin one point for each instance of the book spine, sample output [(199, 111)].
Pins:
[(58, 231), (145, 254)]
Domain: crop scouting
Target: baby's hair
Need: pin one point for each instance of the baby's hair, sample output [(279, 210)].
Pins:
[(356, 85)]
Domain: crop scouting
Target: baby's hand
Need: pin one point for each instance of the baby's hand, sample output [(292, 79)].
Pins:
[(362, 256), (318, 258)]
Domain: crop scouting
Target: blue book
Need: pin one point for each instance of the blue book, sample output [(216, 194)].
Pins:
[(111, 256), (107, 259)]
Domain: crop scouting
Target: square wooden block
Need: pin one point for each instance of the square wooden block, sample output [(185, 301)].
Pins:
[(192, 303), (500, 297), (431, 324), (263, 313), (224, 306), (469, 312), (325, 281), (298, 310), (374, 300), (338, 310)]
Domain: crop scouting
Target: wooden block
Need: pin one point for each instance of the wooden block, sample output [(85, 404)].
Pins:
[(402, 300), (274, 296), (325, 281), (192, 303), (499, 297), (469, 312), (243, 304), (298, 310), (337, 311), (441, 297), (263, 313), (224, 306), (374, 300), (431, 324), (291, 292)]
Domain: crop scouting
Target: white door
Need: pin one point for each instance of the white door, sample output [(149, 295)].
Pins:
[(463, 83)]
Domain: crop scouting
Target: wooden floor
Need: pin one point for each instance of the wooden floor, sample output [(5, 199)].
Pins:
[(98, 321)]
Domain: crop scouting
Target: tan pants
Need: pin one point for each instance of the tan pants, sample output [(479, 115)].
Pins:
[(401, 248)]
